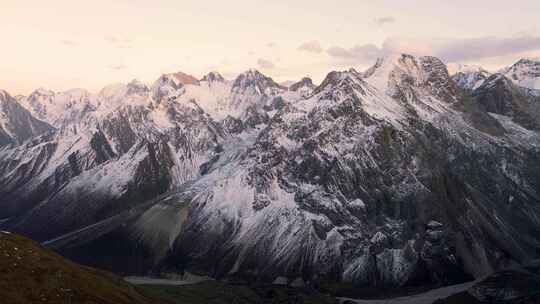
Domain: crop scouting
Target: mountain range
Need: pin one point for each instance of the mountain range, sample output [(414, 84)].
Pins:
[(399, 175)]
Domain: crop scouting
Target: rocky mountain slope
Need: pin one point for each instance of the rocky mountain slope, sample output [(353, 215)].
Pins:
[(112, 159), (305, 86), (510, 285), (525, 73), (391, 177), (468, 77), (16, 123), (58, 109)]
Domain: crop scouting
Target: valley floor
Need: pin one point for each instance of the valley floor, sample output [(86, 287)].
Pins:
[(199, 290), (421, 298), (173, 282), (216, 292)]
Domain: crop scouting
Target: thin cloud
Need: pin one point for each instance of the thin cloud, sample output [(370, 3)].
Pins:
[(115, 39), (118, 67), (466, 49), (449, 50), (311, 46), (119, 42), (69, 42), (385, 20), (265, 64), (486, 47), (362, 53), (271, 44)]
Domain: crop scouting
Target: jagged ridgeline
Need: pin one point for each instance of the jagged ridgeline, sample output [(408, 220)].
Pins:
[(395, 176)]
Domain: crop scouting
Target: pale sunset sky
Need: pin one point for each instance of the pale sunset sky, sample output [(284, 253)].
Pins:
[(60, 44)]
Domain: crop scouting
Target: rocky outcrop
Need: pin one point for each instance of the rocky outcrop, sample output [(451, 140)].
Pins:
[(498, 95)]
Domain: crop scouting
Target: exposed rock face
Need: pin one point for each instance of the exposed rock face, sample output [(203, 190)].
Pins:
[(16, 123), (389, 177), (498, 95), (438, 254)]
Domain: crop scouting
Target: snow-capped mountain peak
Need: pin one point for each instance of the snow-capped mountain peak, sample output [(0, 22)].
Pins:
[(57, 108), (16, 123), (466, 76), (213, 77), (524, 73), (339, 79), (137, 87), (123, 93), (252, 89), (304, 87), (113, 96), (350, 89), (454, 68), (182, 78), (42, 92), (398, 74), (304, 82), (496, 78), (168, 84), (3, 94), (256, 82), (388, 70)]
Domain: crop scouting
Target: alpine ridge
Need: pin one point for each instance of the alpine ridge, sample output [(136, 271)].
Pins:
[(396, 176), (16, 123), (525, 73), (468, 77)]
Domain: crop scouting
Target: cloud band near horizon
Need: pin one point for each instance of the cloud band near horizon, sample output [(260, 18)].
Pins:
[(449, 50)]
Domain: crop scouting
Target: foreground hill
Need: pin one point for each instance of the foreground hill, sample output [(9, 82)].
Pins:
[(32, 274)]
